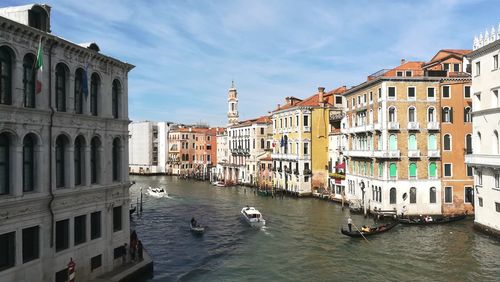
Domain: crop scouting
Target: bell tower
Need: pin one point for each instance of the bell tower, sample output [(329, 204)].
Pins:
[(232, 101)]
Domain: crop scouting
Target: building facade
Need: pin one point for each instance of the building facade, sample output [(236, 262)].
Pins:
[(336, 147), (148, 147), (64, 187), (485, 157)]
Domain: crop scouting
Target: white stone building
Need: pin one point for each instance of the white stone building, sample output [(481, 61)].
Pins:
[(222, 155), (485, 157), (64, 187), (148, 147)]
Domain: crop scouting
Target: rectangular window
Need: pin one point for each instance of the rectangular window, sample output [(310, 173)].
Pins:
[(306, 120), (430, 93), (31, 243), (306, 178), (448, 195), (338, 100), (117, 218), (80, 229), (495, 62), (479, 178), (62, 275), (7, 250), (62, 235), (380, 93), (95, 262), (468, 195), (469, 171), (118, 252), (480, 201), (446, 67), (478, 68), (446, 91), (371, 96), (497, 180), (391, 92), (408, 73), (456, 67), (306, 148), (399, 73), (497, 207), (95, 225), (447, 170), (411, 93), (467, 91)]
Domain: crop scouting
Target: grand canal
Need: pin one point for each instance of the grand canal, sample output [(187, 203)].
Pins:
[(301, 241)]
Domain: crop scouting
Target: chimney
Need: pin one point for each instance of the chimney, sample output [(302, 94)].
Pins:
[(403, 61), (321, 91)]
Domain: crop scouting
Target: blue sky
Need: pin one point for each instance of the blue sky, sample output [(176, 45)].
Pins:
[(187, 52)]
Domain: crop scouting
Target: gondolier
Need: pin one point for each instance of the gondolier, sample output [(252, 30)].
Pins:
[(349, 224)]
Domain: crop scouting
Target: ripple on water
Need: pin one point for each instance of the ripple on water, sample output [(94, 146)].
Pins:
[(301, 241)]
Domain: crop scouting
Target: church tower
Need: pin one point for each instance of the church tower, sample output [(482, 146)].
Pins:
[(232, 101)]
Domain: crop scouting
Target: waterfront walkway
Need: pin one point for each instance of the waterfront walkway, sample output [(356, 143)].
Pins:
[(130, 271)]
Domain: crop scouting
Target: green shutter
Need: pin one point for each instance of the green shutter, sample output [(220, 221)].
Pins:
[(432, 142), (413, 170), (393, 146), (393, 170), (412, 142), (432, 169)]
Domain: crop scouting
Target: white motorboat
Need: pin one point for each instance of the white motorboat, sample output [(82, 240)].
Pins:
[(252, 217), (157, 192), (218, 184)]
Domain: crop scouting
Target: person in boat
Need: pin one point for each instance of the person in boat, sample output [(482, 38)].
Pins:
[(428, 218), (349, 224), (365, 228), (193, 222)]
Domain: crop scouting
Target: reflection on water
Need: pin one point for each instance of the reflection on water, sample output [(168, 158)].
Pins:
[(301, 241)]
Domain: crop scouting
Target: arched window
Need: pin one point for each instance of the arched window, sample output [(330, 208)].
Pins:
[(392, 196), (116, 159), (392, 114), (467, 114), (4, 164), (79, 160), (393, 143), (393, 170), (432, 170), (495, 142), (413, 195), (94, 160), (411, 114), (115, 93), (61, 145), (285, 144), (28, 163), (5, 76), (80, 88), (432, 142), (61, 77), (29, 80), (262, 145), (447, 142), (95, 82), (412, 142), (412, 169), (447, 114), (431, 114), (432, 195), (468, 144)]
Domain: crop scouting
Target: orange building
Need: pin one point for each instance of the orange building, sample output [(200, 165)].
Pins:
[(456, 128)]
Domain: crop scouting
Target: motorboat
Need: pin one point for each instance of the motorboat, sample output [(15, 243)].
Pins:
[(157, 192), (198, 229), (252, 216)]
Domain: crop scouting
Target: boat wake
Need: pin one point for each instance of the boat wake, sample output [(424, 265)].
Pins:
[(264, 229)]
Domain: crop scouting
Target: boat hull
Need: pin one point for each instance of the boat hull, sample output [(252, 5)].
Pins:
[(197, 229), (358, 234), (256, 222)]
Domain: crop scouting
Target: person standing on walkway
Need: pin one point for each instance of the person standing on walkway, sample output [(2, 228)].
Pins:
[(349, 223), (124, 253), (139, 250)]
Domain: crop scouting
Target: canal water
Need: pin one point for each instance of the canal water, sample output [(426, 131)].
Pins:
[(301, 241)]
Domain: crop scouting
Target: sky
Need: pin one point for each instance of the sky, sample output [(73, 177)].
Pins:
[(187, 52)]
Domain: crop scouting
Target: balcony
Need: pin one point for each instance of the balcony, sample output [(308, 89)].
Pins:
[(413, 125), (387, 154), (393, 125), (433, 125), (377, 126), (307, 128), (483, 160), (433, 154), (413, 153), (359, 153), (369, 127)]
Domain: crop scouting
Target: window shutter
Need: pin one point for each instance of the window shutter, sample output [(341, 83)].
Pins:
[(451, 114), (442, 115)]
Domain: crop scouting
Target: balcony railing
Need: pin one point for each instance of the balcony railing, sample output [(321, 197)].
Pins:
[(307, 171), (433, 153), (387, 154), (413, 125), (414, 153), (433, 125), (393, 125)]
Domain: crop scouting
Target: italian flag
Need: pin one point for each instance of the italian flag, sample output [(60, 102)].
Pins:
[(39, 68)]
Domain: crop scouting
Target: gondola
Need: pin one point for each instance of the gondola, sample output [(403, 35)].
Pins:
[(373, 230), (197, 229), (435, 220)]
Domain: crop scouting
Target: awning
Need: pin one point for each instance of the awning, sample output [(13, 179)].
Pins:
[(340, 166)]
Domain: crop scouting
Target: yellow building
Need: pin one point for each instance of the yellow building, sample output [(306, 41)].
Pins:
[(300, 143)]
